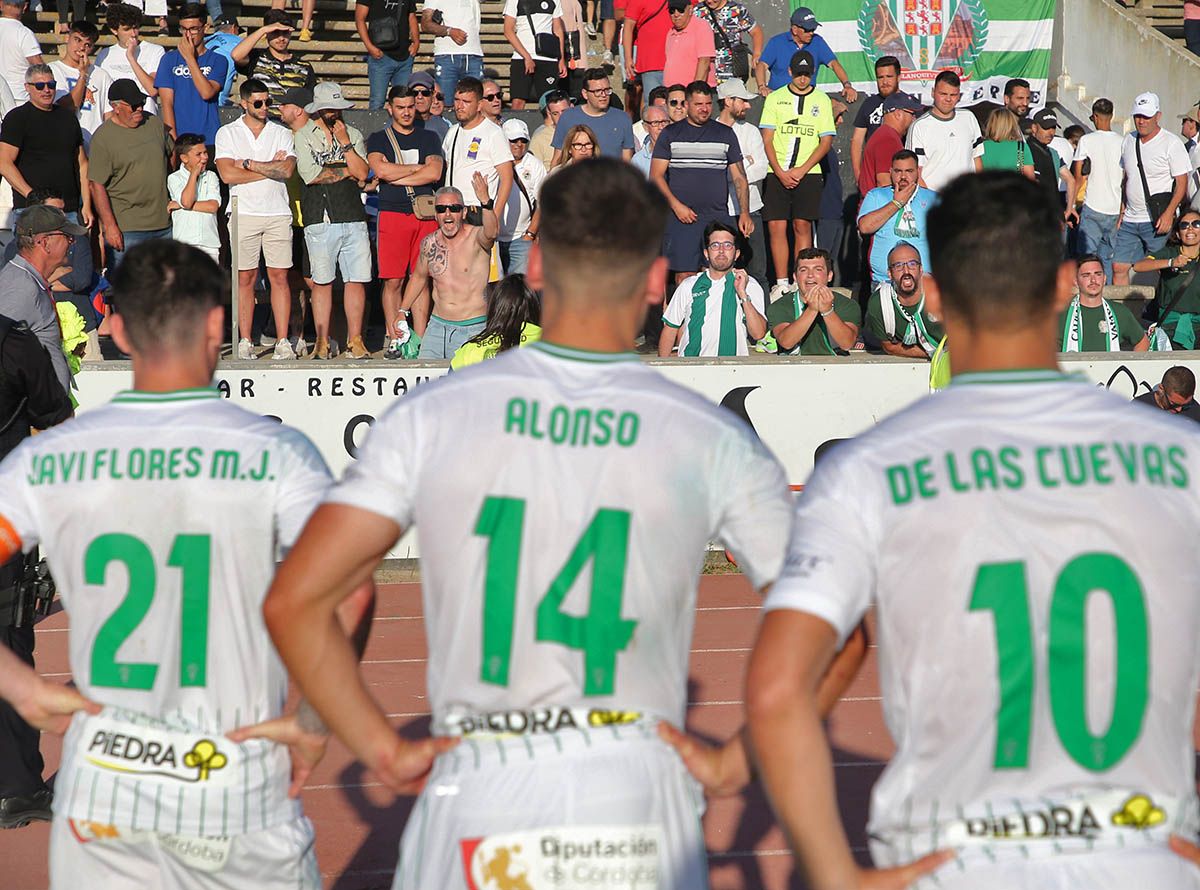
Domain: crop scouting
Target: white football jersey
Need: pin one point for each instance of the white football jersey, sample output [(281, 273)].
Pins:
[(162, 517), (1028, 540), (563, 501)]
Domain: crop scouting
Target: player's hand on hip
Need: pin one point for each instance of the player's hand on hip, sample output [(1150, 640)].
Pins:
[(305, 747), (1185, 848), (405, 768), (50, 706), (903, 875), (723, 771)]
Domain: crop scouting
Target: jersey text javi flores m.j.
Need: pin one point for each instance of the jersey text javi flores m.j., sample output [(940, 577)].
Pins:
[(149, 464)]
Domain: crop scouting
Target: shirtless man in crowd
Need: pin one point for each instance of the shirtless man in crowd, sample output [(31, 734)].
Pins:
[(457, 257)]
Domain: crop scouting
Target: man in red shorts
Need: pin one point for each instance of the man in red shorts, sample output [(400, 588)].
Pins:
[(407, 158)]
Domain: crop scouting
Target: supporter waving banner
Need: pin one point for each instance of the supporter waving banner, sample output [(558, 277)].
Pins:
[(985, 41)]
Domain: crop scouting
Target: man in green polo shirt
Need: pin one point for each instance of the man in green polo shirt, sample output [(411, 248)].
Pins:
[(1091, 323), (813, 320), (896, 313)]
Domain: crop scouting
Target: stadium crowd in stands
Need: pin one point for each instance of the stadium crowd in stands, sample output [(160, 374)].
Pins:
[(130, 141)]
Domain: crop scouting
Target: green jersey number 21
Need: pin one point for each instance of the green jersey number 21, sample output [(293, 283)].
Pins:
[(1002, 588), (600, 634)]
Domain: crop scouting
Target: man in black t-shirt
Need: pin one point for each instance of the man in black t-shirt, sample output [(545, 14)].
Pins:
[(870, 112), (408, 161), (276, 65), (388, 29), (1175, 395), (41, 146)]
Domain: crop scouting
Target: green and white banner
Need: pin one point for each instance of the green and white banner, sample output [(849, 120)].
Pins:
[(986, 42)]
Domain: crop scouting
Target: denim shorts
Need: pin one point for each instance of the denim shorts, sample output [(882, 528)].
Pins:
[(1135, 241), (442, 338), (333, 246)]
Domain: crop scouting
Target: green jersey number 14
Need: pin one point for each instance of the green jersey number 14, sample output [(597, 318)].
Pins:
[(600, 634), (1002, 588)]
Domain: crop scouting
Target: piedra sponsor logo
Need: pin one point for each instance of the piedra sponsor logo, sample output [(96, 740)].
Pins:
[(1065, 820), (541, 721), (567, 858), (127, 752)]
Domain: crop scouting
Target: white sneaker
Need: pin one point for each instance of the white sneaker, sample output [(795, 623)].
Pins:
[(779, 290), (608, 57), (301, 348), (245, 350), (283, 351), (264, 340), (591, 30)]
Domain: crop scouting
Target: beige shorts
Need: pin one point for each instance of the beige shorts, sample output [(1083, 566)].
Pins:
[(267, 236)]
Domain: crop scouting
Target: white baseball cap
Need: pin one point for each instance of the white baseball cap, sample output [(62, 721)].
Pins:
[(1146, 105), (514, 128)]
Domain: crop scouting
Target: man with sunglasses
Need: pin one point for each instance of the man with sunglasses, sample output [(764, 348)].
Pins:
[(128, 169), (1175, 394), (255, 157), (421, 87), (493, 101), (611, 125)]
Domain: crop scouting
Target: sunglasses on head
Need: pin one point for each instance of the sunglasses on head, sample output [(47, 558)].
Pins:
[(259, 103), (448, 208)]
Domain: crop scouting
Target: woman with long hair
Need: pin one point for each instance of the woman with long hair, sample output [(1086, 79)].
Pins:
[(1178, 292), (1003, 146), (580, 144), (513, 313)]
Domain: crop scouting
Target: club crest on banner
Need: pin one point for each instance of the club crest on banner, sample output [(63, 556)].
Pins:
[(927, 36)]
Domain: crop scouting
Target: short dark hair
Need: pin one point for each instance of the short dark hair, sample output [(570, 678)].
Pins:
[(1073, 131), (162, 289), (399, 91), (1012, 85), (250, 86), (186, 142), (43, 194), (123, 15), (815, 253), (602, 227), (676, 88), (1088, 258), (593, 74), (278, 17), (659, 92), (85, 29), (1102, 107), (887, 62), (470, 86), (698, 88), (994, 243), (949, 77), (717, 226), (906, 154), (1180, 380), (193, 11)]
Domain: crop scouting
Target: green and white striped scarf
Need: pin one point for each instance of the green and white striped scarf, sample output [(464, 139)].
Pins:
[(1073, 329)]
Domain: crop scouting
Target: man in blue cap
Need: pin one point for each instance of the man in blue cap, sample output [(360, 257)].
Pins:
[(802, 35)]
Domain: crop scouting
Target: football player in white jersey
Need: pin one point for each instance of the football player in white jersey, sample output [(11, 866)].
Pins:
[(1026, 539), (162, 515), (563, 496)]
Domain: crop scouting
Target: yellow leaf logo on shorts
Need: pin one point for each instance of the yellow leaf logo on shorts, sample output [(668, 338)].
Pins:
[(1139, 812), (204, 757)]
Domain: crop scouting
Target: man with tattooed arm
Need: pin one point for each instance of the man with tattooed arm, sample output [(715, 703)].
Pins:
[(457, 259)]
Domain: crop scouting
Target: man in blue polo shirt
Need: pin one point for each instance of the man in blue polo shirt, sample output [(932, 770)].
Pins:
[(802, 34), (190, 78)]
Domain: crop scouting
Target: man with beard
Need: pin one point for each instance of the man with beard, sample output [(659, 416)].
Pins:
[(1091, 323), (896, 313), (457, 258), (712, 312), (735, 102), (812, 319), (895, 213)]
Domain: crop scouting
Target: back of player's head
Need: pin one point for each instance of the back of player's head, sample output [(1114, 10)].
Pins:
[(163, 289), (994, 241), (602, 227), (1180, 381), (1102, 108)]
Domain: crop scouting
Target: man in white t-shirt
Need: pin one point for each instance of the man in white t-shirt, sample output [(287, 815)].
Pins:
[(457, 50), (1156, 168), (516, 217), (80, 84), (129, 57), (735, 102), (18, 47), (946, 142), (534, 28), (255, 158), (1102, 202), (717, 311), (1042, 689), (476, 145)]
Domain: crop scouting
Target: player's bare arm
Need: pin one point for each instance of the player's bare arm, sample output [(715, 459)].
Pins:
[(335, 555), (491, 223), (791, 656), (43, 705)]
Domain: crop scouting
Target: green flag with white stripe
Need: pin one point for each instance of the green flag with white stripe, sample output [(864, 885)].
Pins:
[(986, 42)]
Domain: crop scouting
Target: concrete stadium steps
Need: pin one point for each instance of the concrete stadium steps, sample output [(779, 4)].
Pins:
[(1165, 16)]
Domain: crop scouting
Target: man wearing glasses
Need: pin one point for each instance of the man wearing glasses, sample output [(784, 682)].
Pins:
[(897, 318), (421, 88), (1175, 394), (655, 120), (44, 236), (189, 79), (611, 125), (41, 146), (128, 169), (255, 158), (895, 213), (493, 101)]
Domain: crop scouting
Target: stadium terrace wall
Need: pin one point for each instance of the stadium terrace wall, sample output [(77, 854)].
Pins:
[(795, 405)]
